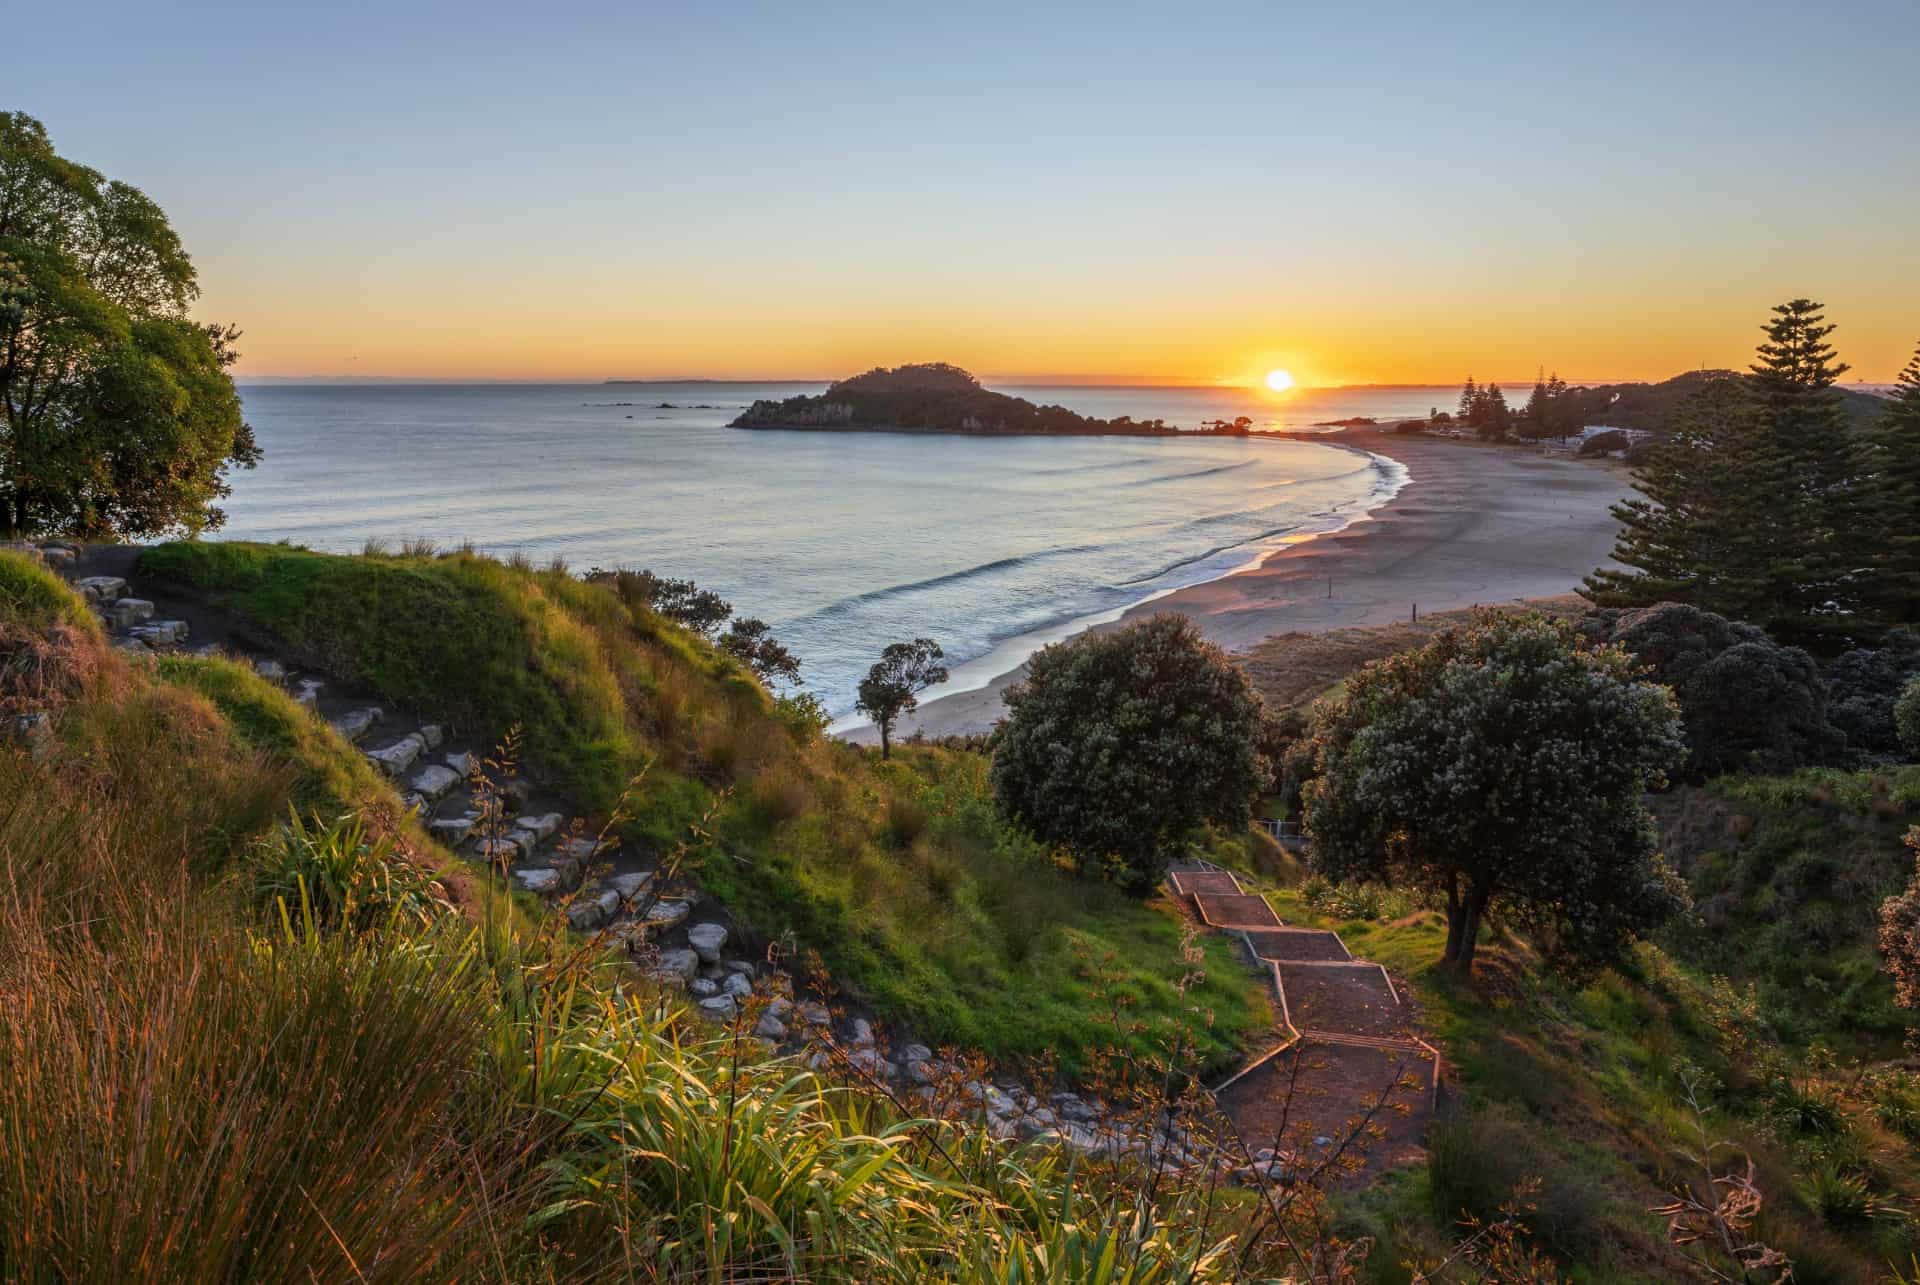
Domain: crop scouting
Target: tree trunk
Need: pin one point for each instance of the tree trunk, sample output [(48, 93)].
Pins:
[(886, 737), (1463, 927)]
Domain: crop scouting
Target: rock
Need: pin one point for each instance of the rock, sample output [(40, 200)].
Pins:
[(741, 966), (160, 633), (923, 1072), (491, 849), (707, 939), (307, 691), (861, 1032), (662, 915), (463, 763), (433, 734), (629, 886), (433, 781), (582, 848), (815, 1014), (1028, 1128), (678, 964), (132, 644), (770, 1027), (453, 831), (514, 792), (703, 988), (1043, 1117), (916, 1053), (100, 588), (998, 1103), (414, 803), (399, 756), (123, 613), (538, 879), (720, 1008), (271, 670), (541, 827), (589, 913), (780, 1007), (737, 985), (355, 724)]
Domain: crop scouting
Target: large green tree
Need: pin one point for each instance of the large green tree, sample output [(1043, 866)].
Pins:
[(1891, 465), (1502, 764), (1118, 745), (1752, 506), (119, 417)]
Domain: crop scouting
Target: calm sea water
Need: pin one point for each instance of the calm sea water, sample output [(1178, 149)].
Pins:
[(843, 542)]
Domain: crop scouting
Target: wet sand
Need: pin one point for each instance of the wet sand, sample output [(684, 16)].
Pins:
[(1475, 524)]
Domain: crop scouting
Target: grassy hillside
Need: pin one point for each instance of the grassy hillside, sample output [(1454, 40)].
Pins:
[(237, 1049), (900, 876)]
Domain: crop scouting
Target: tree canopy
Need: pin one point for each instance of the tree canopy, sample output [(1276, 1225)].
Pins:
[(119, 416), (1502, 764), (1118, 745), (893, 686)]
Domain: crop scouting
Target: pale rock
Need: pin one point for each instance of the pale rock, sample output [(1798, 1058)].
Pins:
[(132, 644), (770, 1027), (662, 915), (780, 1007), (538, 879), (355, 723), (629, 886), (433, 781), (307, 691), (703, 988), (122, 613), (271, 670), (707, 939), (815, 1013), (433, 734), (540, 827), (453, 831), (399, 756), (737, 985), (161, 633), (743, 966), (679, 964), (862, 1032), (491, 849), (463, 763), (589, 913), (916, 1053), (721, 1008), (414, 803)]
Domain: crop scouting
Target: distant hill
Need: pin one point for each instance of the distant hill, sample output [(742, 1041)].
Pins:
[(1651, 406), (937, 398)]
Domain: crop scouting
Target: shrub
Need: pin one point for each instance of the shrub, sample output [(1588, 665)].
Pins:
[(332, 874), (1906, 717), (1866, 683), (1119, 745), (1749, 704), (1602, 443), (32, 597)]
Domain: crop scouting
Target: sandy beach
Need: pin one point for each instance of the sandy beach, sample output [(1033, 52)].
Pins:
[(1473, 525)]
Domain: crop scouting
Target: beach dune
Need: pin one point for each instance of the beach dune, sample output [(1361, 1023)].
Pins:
[(1474, 524)]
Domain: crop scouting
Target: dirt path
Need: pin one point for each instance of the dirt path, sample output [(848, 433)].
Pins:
[(1349, 1080)]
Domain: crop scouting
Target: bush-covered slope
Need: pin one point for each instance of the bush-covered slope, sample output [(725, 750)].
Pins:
[(914, 894)]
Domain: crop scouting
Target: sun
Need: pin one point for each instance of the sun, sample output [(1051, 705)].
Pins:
[(1279, 380)]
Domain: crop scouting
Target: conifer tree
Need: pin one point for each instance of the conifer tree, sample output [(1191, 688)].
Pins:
[(1890, 466), (1806, 498), (1469, 398), (1560, 411), (1688, 532)]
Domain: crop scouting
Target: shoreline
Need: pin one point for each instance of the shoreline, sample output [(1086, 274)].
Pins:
[(1470, 525)]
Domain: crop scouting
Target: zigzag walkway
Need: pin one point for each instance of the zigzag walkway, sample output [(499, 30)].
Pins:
[(1350, 1079)]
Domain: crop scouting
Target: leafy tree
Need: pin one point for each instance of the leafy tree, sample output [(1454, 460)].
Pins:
[(1494, 418), (750, 641), (1900, 934), (681, 601), (1891, 464), (1906, 718), (1863, 684), (1119, 744), (119, 417), (1749, 704), (1503, 764), (893, 686)]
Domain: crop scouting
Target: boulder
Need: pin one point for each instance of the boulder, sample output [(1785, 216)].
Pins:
[(271, 670), (815, 1013), (861, 1032), (491, 849), (916, 1053), (720, 1008), (454, 830), (707, 939), (161, 633), (629, 886), (679, 965), (589, 913), (542, 826), (703, 988), (433, 734), (463, 763), (355, 724), (538, 879), (770, 1027), (124, 613), (433, 781), (737, 985), (662, 915), (399, 756), (100, 588)]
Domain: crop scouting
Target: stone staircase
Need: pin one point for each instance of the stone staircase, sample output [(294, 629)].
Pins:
[(1350, 1081)]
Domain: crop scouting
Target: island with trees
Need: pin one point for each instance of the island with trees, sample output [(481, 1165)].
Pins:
[(939, 398)]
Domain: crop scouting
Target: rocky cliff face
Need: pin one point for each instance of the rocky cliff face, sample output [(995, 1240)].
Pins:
[(797, 412)]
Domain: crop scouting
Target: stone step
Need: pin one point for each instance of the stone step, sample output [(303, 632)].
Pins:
[(160, 633), (100, 589), (433, 781), (356, 723), (124, 613), (396, 758)]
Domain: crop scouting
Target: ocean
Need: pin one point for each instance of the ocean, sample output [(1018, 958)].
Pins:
[(843, 542)]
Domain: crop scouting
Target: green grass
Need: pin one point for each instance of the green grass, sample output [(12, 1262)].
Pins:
[(917, 898), (32, 597)]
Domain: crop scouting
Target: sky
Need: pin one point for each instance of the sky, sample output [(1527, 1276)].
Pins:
[(1400, 192)]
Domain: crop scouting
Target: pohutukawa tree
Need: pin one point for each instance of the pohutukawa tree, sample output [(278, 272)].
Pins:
[(1502, 766), (1900, 935), (117, 416), (1119, 745), (893, 686), (750, 640)]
